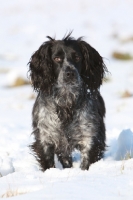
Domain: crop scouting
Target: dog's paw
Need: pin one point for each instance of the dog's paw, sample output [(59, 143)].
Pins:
[(67, 163)]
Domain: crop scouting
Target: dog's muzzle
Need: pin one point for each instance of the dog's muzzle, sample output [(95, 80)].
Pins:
[(70, 74)]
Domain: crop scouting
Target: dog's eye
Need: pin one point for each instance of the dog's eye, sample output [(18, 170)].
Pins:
[(77, 58), (57, 59)]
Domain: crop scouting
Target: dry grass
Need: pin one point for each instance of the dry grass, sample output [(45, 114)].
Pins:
[(126, 94), (122, 56), (19, 81), (11, 193), (122, 166), (127, 40), (32, 96), (4, 70), (126, 157)]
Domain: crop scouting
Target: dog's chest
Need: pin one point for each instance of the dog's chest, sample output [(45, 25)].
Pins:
[(48, 117), (48, 121)]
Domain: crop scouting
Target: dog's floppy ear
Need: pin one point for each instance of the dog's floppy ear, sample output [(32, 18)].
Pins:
[(93, 68), (40, 68)]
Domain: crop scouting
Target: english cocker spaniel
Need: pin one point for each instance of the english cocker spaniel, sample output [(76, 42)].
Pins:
[(69, 111)]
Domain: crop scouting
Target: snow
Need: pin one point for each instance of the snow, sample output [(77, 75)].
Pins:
[(24, 27)]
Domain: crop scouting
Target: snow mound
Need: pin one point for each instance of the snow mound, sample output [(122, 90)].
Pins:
[(125, 145), (6, 166)]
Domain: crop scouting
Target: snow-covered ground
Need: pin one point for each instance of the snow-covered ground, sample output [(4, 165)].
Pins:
[(107, 26)]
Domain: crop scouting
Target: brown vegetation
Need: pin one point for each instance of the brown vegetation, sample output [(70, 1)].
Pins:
[(19, 81), (126, 94), (122, 56)]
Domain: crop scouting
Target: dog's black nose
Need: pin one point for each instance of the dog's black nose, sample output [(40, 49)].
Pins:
[(69, 73)]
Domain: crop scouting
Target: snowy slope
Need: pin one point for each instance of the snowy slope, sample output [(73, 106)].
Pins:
[(106, 25)]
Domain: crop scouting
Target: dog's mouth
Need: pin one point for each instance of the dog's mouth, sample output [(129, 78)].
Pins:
[(70, 83)]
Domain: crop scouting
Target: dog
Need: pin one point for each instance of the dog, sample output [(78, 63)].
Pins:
[(69, 111)]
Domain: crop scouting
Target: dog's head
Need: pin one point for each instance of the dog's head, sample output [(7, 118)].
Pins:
[(66, 61)]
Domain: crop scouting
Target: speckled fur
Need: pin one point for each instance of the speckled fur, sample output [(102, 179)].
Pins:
[(66, 117)]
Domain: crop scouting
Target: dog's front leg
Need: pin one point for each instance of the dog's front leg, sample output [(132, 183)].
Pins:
[(84, 159), (64, 153), (48, 156), (85, 149), (44, 154)]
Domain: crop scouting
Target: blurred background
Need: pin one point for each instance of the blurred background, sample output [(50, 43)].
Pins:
[(106, 25)]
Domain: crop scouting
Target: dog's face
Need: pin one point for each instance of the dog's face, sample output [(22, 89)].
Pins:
[(66, 61)]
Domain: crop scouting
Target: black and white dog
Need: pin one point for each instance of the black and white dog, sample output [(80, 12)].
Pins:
[(69, 110)]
